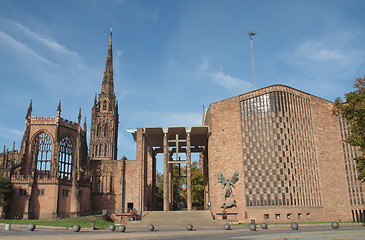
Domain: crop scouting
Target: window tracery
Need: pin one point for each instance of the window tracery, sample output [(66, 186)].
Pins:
[(42, 154), (98, 130), (65, 160), (102, 149), (103, 180), (106, 130)]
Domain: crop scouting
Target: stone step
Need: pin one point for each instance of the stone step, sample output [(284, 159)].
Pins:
[(178, 218)]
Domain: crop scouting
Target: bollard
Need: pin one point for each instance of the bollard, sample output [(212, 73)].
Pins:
[(189, 227), (335, 225), (8, 226), (264, 225), (151, 227), (294, 226), (31, 227), (121, 228), (252, 226), (76, 228), (112, 227), (227, 226)]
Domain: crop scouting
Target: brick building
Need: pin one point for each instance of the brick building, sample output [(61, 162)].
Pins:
[(49, 173), (289, 152), (275, 154)]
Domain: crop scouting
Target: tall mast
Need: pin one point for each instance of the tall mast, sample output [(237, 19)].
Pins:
[(253, 60)]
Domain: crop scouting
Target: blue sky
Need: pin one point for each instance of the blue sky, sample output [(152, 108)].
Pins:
[(170, 57)]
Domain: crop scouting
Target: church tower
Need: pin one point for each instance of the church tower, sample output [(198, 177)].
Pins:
[(104, 116)]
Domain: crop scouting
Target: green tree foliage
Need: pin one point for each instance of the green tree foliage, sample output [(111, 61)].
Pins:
[(197, 185), (159, 197), (353, 110), (6, 192), (179, 186)]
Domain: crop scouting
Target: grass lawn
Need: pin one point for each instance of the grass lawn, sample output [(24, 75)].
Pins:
[(84, 222)]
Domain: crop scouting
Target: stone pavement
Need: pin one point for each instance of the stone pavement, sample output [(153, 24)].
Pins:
[(305, 232)]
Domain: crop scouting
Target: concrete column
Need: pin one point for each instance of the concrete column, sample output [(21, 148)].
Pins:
[(150, 179), (154, 192), (166, 174), (171, 190), (140, 173), (122, 194), (188, 172)]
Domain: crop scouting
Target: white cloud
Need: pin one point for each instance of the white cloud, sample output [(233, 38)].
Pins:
[(222, 79), (334, 49), (230, 82), (45, 41), (7, 41), (47, 61), (9, 133)]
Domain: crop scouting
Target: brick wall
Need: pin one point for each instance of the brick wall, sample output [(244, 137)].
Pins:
[(331, 164), (225, 152), (308, 166)]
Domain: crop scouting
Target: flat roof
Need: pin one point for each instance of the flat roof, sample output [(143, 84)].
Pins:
[(154, 135)]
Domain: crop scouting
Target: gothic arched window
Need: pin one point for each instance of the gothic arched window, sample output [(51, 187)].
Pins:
[(106, 130), (65, 162), (104, 105), (106, 150), (42, 153), (100, 187), (98, 130), (102, 149)]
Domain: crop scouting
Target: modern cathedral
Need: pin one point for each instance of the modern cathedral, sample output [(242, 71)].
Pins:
[(275, 154)]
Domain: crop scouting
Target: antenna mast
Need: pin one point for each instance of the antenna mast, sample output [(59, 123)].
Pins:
[(253, 60)]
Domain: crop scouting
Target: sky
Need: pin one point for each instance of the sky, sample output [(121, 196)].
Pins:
[(170, 57)]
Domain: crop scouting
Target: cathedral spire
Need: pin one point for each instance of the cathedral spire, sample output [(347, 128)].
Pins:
[(104, 116), (107, 86), (29, 112)]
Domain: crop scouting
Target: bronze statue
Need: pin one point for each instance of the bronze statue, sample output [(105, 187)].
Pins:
[(227, 184)]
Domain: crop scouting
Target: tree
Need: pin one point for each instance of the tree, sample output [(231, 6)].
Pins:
[(6, 192), (197, 185), (179, 185), (353, 110), (159, 193)]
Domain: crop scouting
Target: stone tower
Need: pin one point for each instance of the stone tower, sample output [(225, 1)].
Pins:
[(104, 116)]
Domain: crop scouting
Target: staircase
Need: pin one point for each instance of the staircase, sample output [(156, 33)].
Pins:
[(161, 219)]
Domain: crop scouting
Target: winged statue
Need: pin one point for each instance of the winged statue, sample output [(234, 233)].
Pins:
[(228, 184)]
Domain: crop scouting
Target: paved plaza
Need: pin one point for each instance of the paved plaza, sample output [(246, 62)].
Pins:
[(238, 232)]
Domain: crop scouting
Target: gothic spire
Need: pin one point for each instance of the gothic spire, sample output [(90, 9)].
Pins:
[(59, 108), (95, 101), (85, 124), (107, 86), (30, 108), (79, 117)]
